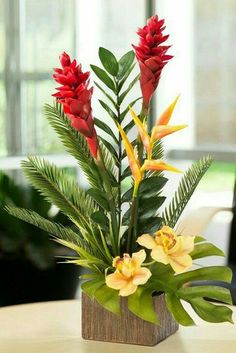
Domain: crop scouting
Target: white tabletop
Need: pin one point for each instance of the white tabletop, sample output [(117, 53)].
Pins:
[(54, 327)]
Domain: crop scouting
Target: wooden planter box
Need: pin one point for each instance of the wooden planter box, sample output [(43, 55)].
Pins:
[(101, 325)]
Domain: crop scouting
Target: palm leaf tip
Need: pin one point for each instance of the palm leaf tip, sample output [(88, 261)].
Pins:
[(187, 185)]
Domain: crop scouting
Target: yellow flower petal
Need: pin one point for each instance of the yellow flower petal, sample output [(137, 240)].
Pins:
[(138, 258), (142, 276), (128, 289), (158, 164), (158, 254), (166, 115), (142, 132), (184, 245), (147, 241), (115, 281), (133, 162), (161, 131), (180, 263)]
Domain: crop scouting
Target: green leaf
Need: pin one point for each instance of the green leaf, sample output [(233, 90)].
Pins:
[(129, 126), (106, 94), (108, 298), (48, 226), (149, 225), (199, 239), (127, 196), (126, 75), (108, 61), (90, 287), (111, 149), (103, 76), (211, 312), (108, 109), (211, 273), (125, 63), (100, 218), (175, 306), (210, 292), (206, 249), (185, 190), (106, 129), (124, 113), (74, 142), (98, 196), (151, 186), (141, 304), (131, 85), (59, 189), (149, 207)]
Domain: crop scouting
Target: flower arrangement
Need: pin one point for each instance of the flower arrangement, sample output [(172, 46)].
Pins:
[(130, 247)]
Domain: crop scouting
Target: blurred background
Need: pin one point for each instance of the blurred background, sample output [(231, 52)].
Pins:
[(32, 36)]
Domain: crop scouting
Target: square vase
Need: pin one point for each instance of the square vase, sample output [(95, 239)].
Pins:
[(101, 325)]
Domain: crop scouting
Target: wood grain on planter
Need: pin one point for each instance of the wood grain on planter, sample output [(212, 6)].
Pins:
[(101, 325)]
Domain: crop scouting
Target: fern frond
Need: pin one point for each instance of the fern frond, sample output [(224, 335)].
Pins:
[(186, 187), (59, 190), (74, 142)]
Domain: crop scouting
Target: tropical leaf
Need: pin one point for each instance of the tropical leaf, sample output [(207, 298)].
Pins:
[(52, 228), (175, 306), (125, 76), (106, 94), (108, 61), (185, 190), (130, 86), (74, 142), (204, 250), (141, 304), (104, 77), (108, 110), (59, 190), (106, 129), (125, 63), (211, 312)]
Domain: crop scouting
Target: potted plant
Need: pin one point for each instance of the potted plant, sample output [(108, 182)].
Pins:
[(28, 269), (140, 270)]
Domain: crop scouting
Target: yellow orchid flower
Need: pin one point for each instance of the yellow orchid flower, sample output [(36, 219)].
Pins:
[(128, 274), (168, 248)]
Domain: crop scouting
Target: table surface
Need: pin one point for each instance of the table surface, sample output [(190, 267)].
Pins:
[(54, 327)]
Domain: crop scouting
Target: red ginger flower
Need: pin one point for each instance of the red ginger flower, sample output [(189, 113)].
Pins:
[(75, 96), (151, 55)]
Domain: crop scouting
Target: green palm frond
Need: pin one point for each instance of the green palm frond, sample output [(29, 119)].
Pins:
[(158, 150), (109, 162), (60, 190), (74, 142), (186, 187), (50, 227)]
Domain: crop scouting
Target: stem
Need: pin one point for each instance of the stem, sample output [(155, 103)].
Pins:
[(132, 233), (119, 156), (111, 201)]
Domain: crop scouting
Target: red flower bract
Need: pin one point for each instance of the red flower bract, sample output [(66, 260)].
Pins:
[(152, 57), (75, 96)]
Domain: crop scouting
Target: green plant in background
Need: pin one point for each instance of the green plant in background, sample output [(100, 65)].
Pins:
[(19, 240), (120, 234)]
